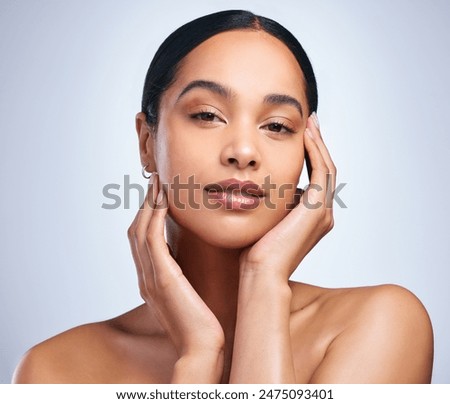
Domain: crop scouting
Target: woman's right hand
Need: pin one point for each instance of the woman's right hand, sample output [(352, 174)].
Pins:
[(193, 328)]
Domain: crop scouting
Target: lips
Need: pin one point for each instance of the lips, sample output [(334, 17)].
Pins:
[(235, 194), (232, 184)]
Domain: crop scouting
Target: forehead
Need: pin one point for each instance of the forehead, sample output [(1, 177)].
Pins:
[(249, 62)]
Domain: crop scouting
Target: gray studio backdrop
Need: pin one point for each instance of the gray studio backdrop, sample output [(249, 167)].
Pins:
[(71, 80)]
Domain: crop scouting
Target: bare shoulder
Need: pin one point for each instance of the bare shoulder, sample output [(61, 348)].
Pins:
[(376, 334), (111, 351), (68, 357)]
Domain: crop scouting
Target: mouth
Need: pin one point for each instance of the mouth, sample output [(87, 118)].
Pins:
[(234, 194)]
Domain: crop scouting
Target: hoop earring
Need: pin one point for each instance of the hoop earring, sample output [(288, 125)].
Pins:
[(143, 173)]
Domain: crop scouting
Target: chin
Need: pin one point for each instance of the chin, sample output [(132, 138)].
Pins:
[(228, 241), (234, 231)]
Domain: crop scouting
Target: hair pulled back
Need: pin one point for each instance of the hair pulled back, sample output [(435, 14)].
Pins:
[(167, 60)]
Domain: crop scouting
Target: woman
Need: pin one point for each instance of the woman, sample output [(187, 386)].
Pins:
[(228, 116)]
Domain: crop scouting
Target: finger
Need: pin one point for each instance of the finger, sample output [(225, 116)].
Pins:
[(324, 150), (315, 194), (143, 218), (133, 246), (165, 267), (135, 254)]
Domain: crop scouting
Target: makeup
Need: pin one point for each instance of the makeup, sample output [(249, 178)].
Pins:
[(234, 194)]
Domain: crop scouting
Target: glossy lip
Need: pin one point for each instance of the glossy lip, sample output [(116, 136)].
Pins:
[(233, 184), (235, 195)]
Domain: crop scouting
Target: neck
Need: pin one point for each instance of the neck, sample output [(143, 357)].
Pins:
[(212, 271), (214, 274)]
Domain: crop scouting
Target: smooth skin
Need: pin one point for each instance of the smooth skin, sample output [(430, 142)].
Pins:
[(219, 305)]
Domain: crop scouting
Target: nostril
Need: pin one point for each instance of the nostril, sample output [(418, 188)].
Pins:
[(232, 160)]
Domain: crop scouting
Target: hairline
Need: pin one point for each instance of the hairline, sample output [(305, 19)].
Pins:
[(256, 28)]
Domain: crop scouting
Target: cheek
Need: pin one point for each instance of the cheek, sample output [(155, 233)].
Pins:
[(182, 168), (184, 163), (286, 176), (175, 158)]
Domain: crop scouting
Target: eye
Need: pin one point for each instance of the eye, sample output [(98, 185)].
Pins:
[(279, 127), (206, 116)]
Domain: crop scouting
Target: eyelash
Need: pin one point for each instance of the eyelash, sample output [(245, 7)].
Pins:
[(201, 112), (287, 128)]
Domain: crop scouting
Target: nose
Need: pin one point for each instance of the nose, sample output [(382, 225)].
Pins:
[(241, 151)]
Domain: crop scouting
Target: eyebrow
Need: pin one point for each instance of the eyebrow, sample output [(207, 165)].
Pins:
[(208, 85), (280, 99), (226, 92)]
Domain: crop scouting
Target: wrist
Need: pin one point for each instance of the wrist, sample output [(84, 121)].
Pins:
[(193, 346), (198, 367), (264, 271), (272, 287), (199, 350), (255, 274)]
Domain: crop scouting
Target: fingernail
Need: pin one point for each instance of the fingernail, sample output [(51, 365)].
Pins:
[(151, 181), (315, 119), (160, 197), (309, 133)]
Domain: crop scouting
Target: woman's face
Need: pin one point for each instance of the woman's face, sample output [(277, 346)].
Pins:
[(239, 120)]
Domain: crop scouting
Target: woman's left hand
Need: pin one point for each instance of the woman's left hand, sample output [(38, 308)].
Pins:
[(282, 249)]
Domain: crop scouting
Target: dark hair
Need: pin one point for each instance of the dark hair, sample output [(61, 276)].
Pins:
[(167, 60)]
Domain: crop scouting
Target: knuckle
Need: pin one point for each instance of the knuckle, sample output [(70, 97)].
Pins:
[(149, 239), (139, 233), (332, 170), (323, 219), (139, 238), (322, 167), (163, 283), (331, 224), (143, 295), (131, 232)]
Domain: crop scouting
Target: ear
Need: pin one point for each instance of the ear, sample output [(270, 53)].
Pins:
[(146, 142)]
